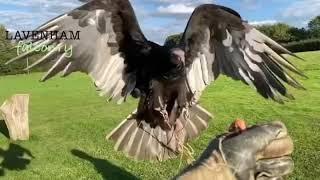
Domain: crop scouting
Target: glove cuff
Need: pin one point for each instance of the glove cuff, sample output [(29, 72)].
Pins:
[(212, 164)]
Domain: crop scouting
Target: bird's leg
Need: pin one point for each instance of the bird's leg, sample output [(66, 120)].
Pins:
[(159, 104), (196, 97), (182, 98)]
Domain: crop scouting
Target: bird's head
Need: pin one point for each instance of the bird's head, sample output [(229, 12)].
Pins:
[(177, 56)]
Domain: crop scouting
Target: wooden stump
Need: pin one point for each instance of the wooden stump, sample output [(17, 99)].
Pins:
[(15, 114)]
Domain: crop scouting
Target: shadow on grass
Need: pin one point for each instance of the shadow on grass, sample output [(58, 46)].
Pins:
[(4, 130), (104, 167), (15, 158)]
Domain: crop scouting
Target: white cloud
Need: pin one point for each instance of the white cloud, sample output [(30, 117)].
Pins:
[(300, 12), (264, 22), (186, 2), (19, 20), (31, 13), (300, 9), (250, 4), (48, 5), (175, 9), (160, 33)]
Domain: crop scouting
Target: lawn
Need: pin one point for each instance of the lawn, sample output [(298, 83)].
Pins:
[(69, 122)]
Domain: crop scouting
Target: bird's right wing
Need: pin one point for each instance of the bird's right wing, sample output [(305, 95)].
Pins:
[(108, 32), (217, 41)]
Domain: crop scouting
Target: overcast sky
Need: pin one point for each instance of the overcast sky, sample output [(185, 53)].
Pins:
[(160, 18)]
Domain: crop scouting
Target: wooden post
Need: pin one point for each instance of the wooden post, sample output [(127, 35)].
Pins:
[(15, 114)]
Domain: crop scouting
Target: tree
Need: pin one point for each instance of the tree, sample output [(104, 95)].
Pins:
[(173, 40), (6, 52), (4, 43), (299, 34), (314, 27), (279, 32)]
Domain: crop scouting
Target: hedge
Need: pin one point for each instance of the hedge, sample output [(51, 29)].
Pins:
[(302, 46), (17, 66)]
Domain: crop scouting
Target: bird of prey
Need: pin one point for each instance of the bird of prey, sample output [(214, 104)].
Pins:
[(114, 52)]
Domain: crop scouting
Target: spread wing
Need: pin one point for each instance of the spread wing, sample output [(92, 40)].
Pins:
[(108, 33), (217, 41)]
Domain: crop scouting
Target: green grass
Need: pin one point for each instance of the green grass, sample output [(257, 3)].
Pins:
[(69, 121)]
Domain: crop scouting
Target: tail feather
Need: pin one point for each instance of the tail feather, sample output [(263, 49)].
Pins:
[(197, 122), (142, 142), (141, 152), (125, 142), (135, 144)]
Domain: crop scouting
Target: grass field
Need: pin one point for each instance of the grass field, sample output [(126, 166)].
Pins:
[(69, 121)]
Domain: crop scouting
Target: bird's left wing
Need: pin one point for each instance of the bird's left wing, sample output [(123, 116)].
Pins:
[(107, 31), (217, 41)]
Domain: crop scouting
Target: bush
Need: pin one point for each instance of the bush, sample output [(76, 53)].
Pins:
[(173, 40), (279, 32), (302, 46), (16, 67)]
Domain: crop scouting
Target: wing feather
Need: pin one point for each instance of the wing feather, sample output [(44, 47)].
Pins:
[(104, 35), (232, 47)]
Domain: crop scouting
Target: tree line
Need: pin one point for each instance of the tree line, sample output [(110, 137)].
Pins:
[(284, 33), (8, 51)]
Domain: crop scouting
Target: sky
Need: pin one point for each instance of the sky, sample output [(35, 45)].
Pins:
[(160, 18)]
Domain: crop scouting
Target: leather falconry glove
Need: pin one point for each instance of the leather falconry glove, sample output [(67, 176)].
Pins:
[(261, 152)]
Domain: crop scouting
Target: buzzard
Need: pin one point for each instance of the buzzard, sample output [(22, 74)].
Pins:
[(114, 52)]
